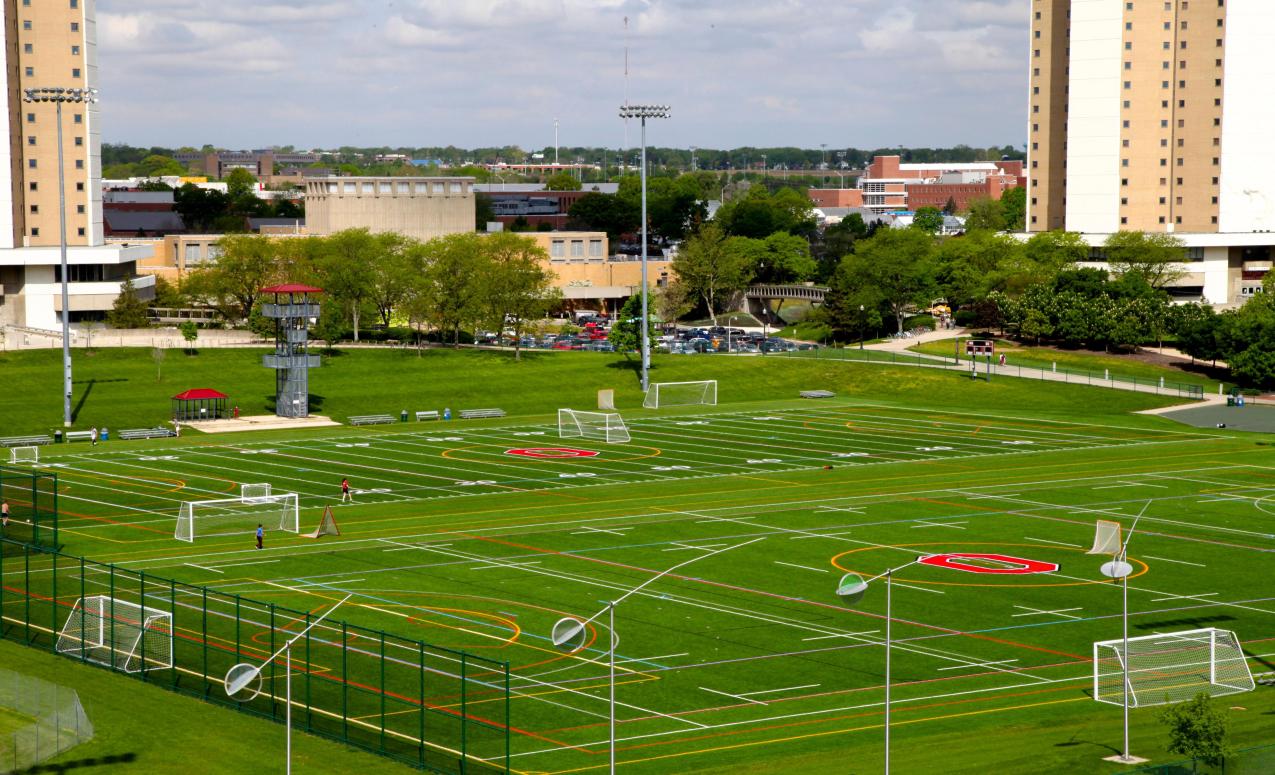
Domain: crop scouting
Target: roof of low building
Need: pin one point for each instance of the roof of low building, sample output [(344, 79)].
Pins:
[(199, 394), (142, 220)]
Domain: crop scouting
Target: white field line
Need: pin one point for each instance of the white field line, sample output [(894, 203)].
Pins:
[(926, 523), (983, 664), (922, 589), (201, 567), (803, 567), (732, 696), (1177, 562), (1063, 612), (1199, 597), (1047, 541), (777, 691), (842, 635)]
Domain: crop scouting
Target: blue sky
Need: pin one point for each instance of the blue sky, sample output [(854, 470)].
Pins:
[(313, 73)]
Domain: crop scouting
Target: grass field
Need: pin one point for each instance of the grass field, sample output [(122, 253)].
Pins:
[(1018, 354), (745, 660)]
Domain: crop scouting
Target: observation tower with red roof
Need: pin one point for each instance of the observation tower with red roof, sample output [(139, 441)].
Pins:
[(293, 312)]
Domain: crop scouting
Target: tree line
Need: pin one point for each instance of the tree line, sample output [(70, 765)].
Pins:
[(499, 282)]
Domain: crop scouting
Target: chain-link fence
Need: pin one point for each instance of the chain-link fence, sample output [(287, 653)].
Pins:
[(33, 507), (435, 708), (58, 721)]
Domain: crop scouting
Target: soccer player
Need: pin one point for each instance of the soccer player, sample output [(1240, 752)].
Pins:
[(345, 491), (4, 514), (261, 534), (93, 435)]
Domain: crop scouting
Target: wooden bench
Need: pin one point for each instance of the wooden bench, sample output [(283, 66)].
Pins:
[(430, 415), (372, 419), (133, 434), (25, 441), (478, 414), (78, 435)]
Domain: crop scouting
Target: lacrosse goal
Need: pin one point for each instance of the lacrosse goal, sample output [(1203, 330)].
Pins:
[(662, 394), (1170, 667), (237, 516), (327, 525), (605, 426), (119, 634)]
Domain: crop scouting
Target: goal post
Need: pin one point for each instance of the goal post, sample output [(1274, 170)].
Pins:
[(662, 394), (237, 516), (24, 455), (605, 426), (253, 493), (1107, 539), (120, 634), (327, 525), (1170, 667)]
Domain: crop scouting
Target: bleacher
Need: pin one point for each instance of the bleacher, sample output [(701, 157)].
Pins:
[(372, 419), (25, 441), (479, 414), (133, 434)]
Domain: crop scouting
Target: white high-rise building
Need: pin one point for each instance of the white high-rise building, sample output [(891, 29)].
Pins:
[(1155, 115)]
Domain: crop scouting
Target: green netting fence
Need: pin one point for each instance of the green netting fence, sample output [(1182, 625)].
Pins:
[(1259, 760), (32, 496), (435, 708)]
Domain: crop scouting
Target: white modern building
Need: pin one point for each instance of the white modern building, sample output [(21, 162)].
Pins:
[(1156, 116)]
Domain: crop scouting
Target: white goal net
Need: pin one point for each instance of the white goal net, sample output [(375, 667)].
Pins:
[(662, 394), (606, 426), (253, 493), (1170, 667), (119, 634), (237, 516), (1106, 539), (24, 454)]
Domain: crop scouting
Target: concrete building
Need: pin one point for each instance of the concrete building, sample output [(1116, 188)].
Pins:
[(589, 276), (1155, 116), (888, 185), (261, 163), (54, 45), (423, 208)]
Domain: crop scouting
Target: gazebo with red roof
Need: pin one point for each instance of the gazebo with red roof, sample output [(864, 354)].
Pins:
[(293, 311), (199, 404)]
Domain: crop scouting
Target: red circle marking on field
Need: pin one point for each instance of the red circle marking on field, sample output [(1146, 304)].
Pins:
[(1023, 566), (552, 452)]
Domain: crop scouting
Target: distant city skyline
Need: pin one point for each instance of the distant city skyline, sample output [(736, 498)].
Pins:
[(874, 73)]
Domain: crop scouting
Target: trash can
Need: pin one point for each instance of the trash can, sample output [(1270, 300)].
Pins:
[(106, 434), (1230, 400), (447, 414), (57, 437), (403, 416), (1239, 400)]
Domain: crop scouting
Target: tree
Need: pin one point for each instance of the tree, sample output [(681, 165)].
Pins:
[(1198, 729), (710, 270), (156, 165), (672, 301), (190, 332), (246, 265), (1156, 257), (344, 269), (449, 291), (484, 211), (128, 311), (604, 212), (928, 220), (897, 267), (950, 207), (391, 265), (985, 213), (1014, 208), (970, 267), (240, 183), (759, 214), (562, 181), (515, 286), (626, 333), (201, 209), (1196, 327)]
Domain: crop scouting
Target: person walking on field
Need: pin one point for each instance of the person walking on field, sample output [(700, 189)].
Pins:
[(93, 435), (345, 491), (261, 534), (4, 514)]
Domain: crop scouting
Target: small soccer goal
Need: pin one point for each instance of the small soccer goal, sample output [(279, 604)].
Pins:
[(1170, 667), (254, 493), (24, 455), (1106, 539), (117, 633), (606, 426), (662, 394), (237, 516)]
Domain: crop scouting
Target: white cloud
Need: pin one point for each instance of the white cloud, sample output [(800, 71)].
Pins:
[(470, 72)]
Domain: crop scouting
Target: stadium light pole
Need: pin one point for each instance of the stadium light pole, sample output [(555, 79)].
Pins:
[(851, 589), (568, 634), (643, 112), (58, 96), (240, 676), (1120, 568)]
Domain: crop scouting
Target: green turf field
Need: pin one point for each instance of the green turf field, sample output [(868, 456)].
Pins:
[(744, 660)]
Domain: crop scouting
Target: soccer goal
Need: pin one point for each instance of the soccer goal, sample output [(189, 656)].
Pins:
[(607, 426), (1170, 667), (24, 455), (117, 633), (254, 493), (662, 394), (1106, 539), (237, 516)]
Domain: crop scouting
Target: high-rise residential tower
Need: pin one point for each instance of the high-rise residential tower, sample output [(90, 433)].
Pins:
[(52, 44), (1156, 115)]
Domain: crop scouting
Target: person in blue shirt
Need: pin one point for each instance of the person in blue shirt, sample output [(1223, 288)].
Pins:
[(261, 534)]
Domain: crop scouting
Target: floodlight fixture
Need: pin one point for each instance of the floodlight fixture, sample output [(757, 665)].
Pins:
[(645, 111)]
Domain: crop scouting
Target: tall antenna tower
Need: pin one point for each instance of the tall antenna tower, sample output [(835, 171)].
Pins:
[(626, 86)]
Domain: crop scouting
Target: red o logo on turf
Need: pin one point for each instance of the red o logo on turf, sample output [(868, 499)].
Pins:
[(552, 453), (1000, 564)]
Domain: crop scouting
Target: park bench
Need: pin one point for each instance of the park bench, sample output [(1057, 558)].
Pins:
[(79, 435), (430, 415), (25, 441), (372, 419), (478, 414), (817, 394), (133, 434)]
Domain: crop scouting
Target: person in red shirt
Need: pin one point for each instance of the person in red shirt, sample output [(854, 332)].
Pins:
[(345, 491)]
